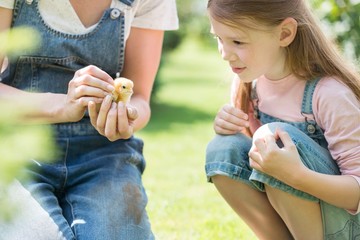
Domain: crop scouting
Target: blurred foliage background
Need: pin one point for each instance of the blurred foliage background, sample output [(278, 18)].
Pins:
[(340, 19), (19, 142)]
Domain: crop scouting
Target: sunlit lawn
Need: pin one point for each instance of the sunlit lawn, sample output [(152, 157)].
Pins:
[(182, 205)]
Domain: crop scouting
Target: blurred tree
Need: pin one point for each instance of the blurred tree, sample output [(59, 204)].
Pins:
[(193, 23), (20, 142), (342, 18)]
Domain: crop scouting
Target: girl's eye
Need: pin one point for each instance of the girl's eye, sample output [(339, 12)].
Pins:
[(237, 42)]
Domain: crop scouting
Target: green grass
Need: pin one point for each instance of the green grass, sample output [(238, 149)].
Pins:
[(182, 205)]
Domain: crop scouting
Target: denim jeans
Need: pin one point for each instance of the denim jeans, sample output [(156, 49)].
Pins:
[(228, 156), (94, 189)]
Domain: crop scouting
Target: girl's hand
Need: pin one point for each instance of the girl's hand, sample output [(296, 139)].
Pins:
[(230, 120), (89, 84), (276, 155), (114, 120)]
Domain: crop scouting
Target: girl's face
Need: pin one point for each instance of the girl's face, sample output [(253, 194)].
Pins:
[(251, 53)]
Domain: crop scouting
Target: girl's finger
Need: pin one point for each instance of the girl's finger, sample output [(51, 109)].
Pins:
[(270, 142), (228, 126), (285, 138), (254, 161), (235, 112), (260, 145), (223, 131)]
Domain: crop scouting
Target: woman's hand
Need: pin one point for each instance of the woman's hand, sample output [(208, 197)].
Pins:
[(90, 84), (230, 120), (114, 120), (276, 155)]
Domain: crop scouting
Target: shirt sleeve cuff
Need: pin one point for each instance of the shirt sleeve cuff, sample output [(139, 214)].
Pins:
[(7, 4), (354, 212)]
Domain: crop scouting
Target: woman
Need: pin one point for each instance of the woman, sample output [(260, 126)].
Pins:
[(93, 190)]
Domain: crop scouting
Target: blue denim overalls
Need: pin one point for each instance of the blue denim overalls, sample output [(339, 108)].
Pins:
[(94, 188), (228, 156)]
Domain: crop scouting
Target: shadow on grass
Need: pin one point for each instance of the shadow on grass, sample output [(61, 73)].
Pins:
[(164, 115)]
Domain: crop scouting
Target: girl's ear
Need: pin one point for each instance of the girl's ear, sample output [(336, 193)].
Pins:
[(288, 29)]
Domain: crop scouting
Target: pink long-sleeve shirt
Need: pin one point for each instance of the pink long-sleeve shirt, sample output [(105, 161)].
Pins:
[(335, 108)]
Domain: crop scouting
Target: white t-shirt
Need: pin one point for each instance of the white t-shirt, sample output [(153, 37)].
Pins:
[(150, 14)]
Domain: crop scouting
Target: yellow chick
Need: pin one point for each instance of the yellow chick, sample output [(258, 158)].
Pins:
[(123, 89)]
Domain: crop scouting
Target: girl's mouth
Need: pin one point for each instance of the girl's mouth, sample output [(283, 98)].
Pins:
[(237, 70)]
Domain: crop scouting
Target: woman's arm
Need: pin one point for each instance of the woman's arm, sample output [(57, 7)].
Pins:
[(88, 84), (5, 23), (142, 59)]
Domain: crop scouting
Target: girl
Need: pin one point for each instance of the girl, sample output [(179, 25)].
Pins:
[(94, 189), (286, 156)]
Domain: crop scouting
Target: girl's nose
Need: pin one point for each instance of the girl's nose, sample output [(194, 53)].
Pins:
[(226, 54)]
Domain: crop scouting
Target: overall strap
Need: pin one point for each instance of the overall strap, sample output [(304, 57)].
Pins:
[(306, 107), (127, 2)]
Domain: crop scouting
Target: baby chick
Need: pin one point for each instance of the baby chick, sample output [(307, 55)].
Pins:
[(123, 89)]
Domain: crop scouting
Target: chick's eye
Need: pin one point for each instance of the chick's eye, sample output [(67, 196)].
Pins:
[(124, 87)]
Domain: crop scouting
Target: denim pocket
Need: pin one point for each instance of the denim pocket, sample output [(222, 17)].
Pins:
[(39, 74), (338, 224), (351, 231)]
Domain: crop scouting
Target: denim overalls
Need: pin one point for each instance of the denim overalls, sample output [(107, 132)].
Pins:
[(228, 156), (94, 189)]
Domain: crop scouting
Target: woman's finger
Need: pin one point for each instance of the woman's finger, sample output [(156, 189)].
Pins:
[(123, 126), (132, 113), (85, 90), (123, 123), (91, 81), (92, 113), (84, 101), (94, 72), (102, 115), (111, 120)]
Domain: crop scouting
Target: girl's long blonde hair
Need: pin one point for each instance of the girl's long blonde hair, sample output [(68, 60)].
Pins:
[(309, 56)]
